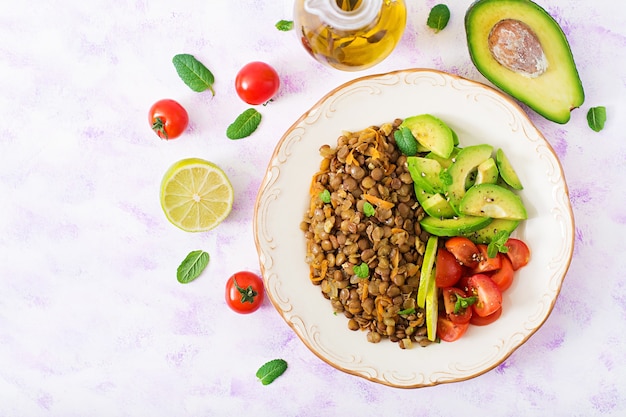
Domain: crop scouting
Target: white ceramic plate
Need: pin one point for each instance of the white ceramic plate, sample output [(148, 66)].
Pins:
[(479, 114)]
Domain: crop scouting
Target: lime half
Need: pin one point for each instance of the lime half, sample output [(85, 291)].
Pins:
[(196, 195)]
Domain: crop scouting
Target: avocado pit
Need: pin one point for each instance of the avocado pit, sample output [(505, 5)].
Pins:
[(515, 46)]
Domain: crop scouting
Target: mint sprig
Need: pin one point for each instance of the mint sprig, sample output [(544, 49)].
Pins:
[(193, 73), (498, 244), (244, 125), (192, 266)]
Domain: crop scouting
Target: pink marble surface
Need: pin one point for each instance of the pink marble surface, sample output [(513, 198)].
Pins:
[(92, 319)]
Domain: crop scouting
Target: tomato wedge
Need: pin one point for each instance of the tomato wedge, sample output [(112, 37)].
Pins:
[(485, 263), (449, 331), (503, 277), (448, 270), (457, 305), (464, 250), (518, 253), (488, 293), (477, 320)]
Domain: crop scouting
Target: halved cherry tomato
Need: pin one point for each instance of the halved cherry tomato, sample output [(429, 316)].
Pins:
[(462, 284), (485, 263), (257, 82), (168, 118), (518, 252), (464, 250), (449, 331), (488, 293), (448, 271), (477, 320), (244, 292), (503, 277), (461, 313)]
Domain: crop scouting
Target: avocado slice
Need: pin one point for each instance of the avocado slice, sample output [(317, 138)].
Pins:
[(444, 162), (487, 233), (493, 201), (487, 172), (455, 226), (462, 169), (432, 133), (426, 272), (435, 204), (507, 172), (522, 50), (425, 173)]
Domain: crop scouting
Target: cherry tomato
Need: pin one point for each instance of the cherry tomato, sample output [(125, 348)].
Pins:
[(448, 271), (518, 252), (257, 83), (464, 250), (503, 277), (488, 293), (449, 331), (168, 118), (485, 263), (457, 305), (244, 292), (476, 320)]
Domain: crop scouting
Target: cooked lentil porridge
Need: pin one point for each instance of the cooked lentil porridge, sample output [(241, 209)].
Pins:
[(365, 245)]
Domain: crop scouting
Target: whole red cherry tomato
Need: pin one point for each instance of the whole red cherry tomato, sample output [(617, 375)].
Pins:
[(244, 292), (168, 118), (257, 82)]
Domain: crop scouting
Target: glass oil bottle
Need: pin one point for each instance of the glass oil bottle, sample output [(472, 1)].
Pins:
[(349, 35)]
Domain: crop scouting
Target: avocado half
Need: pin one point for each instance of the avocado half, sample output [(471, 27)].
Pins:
[(523, 51)]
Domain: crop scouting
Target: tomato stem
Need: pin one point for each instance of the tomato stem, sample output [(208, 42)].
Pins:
[(247, 294), (159, 127)]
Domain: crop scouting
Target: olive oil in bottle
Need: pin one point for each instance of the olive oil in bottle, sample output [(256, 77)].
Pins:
[(350, 35)]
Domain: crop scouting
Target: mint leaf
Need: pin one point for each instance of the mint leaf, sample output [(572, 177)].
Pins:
[(368, 209), (192, 266), (244, 125), (325, 196), (284, 25), (596, 116), (271, 370), (362, 270), (497, 244), (193, 73), (438, 17), (463, 303), (405, 141), (445, 177), (406, 312)]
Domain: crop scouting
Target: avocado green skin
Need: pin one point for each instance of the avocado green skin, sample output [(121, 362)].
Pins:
[(457, 226), (487, 233), (553, 94), (507, 172)]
